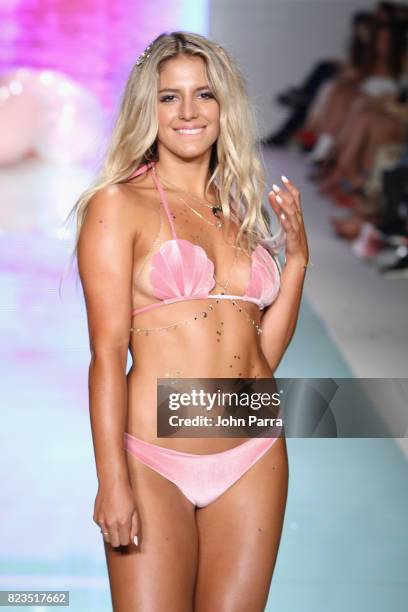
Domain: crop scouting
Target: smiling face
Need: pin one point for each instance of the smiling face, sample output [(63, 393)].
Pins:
[(187, 111)]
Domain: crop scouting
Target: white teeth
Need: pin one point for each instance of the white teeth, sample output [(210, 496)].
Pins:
[(194, 131)]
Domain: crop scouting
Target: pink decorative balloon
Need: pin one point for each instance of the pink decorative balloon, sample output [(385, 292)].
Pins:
[(72, 121), (48, 113), (19, 117)]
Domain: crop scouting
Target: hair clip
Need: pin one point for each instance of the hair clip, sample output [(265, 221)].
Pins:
[(146, 53)]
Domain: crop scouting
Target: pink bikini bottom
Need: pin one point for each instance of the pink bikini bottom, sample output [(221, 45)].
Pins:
[(201, 478)]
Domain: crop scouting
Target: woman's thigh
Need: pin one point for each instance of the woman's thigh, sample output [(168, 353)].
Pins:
[(239, 536), (160, 573)]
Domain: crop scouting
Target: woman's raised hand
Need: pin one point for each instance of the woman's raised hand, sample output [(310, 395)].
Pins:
[(286, 203)]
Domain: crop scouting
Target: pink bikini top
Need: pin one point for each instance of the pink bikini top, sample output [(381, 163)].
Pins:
[(182, 271)]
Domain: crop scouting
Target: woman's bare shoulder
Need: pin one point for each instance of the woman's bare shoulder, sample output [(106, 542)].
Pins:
[(125, 202)]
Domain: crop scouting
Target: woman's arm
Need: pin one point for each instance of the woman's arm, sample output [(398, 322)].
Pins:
[(280, 319), (105, 257)]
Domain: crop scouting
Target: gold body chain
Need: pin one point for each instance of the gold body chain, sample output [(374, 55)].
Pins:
[(203, 313)]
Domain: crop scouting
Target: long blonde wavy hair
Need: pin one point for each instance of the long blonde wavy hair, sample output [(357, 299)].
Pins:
[(236, 169)]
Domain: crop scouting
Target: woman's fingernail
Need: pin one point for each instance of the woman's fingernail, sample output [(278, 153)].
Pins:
[(136, 540), (279, 199), (283, 216), (275, 187), (284, 179)]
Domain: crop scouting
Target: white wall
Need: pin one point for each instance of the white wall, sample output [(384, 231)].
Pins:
[(275, 42)]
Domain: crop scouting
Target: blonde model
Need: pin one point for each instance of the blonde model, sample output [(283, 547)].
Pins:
[(175, 261)]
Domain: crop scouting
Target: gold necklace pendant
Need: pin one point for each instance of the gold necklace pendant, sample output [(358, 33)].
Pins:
[(217, 225)]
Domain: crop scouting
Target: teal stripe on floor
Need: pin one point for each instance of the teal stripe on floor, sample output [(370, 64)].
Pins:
[(344, 542), (312, 352)]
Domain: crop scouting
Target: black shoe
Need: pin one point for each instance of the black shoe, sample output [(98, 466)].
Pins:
[(399, 269), (287, 92), (278, 139), (294, 99)]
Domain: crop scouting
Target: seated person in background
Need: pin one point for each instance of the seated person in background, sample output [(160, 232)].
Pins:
[(378, 83), (301, 98)]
